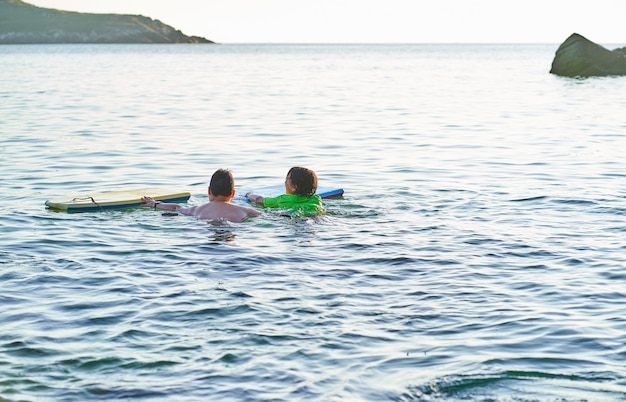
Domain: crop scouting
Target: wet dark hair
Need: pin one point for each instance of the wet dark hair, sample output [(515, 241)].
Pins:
[(304, 180), (222, 183)]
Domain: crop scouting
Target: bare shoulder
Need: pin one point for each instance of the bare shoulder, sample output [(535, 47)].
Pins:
[(247, 211), (251, 211)]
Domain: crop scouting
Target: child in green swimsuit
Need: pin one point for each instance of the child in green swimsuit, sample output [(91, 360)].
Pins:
[(299, 197)]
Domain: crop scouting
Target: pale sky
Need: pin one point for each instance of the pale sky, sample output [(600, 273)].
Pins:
[(376, 21)]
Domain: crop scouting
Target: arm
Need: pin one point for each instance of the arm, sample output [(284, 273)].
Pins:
[(149, 201), (257, 199)]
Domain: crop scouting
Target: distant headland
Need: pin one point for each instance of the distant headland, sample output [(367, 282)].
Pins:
[(23, 23)]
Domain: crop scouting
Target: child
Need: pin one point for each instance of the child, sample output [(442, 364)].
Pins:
[(221, 191), (300, 197)]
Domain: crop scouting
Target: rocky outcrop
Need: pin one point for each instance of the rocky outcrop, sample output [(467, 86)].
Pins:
[(22, 23), (580, 57)]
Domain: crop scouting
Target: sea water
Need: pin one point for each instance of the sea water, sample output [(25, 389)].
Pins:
[(478, 253)]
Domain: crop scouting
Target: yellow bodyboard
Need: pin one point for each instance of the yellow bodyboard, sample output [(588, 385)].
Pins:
[(90, 202)]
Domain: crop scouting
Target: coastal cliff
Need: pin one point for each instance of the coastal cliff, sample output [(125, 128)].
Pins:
[(23, 23)]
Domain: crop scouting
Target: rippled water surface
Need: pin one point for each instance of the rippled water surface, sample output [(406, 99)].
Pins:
[(478, 253)]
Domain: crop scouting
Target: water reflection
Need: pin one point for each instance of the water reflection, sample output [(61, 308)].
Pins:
[(221, 231)]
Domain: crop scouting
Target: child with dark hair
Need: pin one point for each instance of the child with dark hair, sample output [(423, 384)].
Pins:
[(299, 197), (221, 191)]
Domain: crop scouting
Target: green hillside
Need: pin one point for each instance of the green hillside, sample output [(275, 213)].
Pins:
[(22, 23)]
